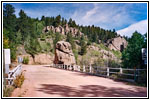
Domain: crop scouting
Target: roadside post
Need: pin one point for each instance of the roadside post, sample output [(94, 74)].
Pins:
[(20, 60), (7, 60)]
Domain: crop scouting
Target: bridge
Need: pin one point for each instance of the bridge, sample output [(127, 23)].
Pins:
[(70, 81)]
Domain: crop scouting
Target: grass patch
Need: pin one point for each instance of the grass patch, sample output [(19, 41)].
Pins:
[(118, 54), (7, 90), (102, 46), (94, 53)]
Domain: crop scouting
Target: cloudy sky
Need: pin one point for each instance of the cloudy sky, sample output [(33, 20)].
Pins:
[(125, 18)]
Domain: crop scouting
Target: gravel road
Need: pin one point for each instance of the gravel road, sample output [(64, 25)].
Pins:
[(44, 81)]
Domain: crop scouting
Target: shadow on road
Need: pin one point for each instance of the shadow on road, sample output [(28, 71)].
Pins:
[(90, 91)]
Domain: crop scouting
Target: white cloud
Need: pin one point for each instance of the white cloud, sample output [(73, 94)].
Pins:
[(139, 27), (91, 12), (104, 15)]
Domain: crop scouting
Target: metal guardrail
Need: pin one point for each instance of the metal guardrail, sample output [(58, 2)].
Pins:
[(13, 74), (103, 71)]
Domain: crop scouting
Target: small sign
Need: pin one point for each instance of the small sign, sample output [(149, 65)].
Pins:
[(20, 60), (144, 55), (7, 56)]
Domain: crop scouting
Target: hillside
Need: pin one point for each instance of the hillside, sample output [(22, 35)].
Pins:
[(37, 39)]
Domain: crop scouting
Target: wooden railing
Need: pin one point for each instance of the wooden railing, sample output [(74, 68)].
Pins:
[(125, 74), (13, 74)]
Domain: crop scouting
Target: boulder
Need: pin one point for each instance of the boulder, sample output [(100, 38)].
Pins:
[(67, 29), (57, 29), (118, 43), (64, 54)]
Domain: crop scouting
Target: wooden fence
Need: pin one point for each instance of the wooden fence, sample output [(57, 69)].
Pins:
[(125, 74), (13, 74)]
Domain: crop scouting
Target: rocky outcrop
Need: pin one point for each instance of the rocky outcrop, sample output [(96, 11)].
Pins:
[(104, 53), (63, 30), (64, 54), (118, 43), (39, 58)]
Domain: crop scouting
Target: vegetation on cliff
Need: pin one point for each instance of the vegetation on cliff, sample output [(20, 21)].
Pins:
[(27, 31)]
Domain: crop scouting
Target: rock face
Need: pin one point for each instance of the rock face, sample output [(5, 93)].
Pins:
[(64, 54), (104, 53), (39, 58), (63, 30), (118, 43)]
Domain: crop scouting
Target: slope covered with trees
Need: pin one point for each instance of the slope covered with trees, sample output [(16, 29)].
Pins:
[(27, 31)]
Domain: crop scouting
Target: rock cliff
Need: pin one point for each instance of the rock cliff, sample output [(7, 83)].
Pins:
[(118, 43), (64, 54), (63, 30)]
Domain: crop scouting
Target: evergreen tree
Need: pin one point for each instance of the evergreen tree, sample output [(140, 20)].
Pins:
[(23, 25), (132, 56), (70, 39), (57, 21), (9, 21), (83, 46), (43, 18), (18, 37), (57, 38), (38, 27), (70, 22)]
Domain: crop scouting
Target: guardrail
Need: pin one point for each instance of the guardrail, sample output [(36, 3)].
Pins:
[(130, 75), (13, 74)]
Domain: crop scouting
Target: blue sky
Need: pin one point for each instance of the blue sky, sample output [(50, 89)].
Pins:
[(119, 16)]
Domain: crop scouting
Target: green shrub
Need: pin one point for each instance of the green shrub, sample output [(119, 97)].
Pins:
[(7, 90), (88, 43), (42, 39), (25, 60), (75, 54), (85, 60), (117, 53), (113, 63), (98, 62), (95, 53), (102, 46), (142, 79), (114, 76), (19, 81)]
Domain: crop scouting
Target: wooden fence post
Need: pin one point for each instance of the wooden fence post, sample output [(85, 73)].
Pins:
[(135, 73), (84, 68), (79, 68), (120, 70), (90, 69), (108, 71), (74, 68)]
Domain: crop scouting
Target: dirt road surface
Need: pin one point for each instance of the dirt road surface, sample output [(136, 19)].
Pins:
[(44, 81)]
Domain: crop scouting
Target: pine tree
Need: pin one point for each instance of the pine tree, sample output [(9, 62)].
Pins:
[(23, 25), (71, 40), (83, 46), (9, 21), (132, 56), (56, 39), (57, 21)]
